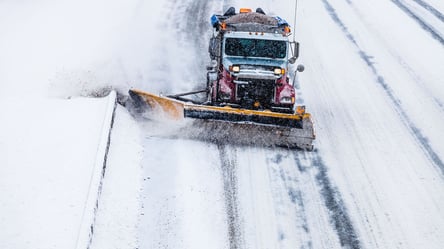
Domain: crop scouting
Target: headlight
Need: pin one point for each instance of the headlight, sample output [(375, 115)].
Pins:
[(279, 71), (287, 100), (235, 69)]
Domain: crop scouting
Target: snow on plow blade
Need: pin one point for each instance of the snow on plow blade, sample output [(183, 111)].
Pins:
[(235, 125)]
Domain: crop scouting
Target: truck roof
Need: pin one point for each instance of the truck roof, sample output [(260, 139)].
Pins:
[(252, 17), (256, 35), (251, 22)]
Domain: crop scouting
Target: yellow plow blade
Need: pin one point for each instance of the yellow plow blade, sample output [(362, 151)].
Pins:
[(247, 126)]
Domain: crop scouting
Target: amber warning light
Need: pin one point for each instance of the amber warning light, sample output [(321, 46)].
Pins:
[(244, 10)]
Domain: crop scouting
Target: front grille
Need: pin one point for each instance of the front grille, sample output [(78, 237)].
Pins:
[(256, 90)]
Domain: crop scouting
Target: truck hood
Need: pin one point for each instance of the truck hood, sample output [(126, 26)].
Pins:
[(228, 61), (255, 67)]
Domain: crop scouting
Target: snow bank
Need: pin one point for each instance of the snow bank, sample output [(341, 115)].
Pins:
[(49, 150), (86, 231), (120, 205)]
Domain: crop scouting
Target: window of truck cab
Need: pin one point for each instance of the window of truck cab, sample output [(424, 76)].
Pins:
[(263, 48)]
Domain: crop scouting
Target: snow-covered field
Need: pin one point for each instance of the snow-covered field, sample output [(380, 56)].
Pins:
[(373, 83)]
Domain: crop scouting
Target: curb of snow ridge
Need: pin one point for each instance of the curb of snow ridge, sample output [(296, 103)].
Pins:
[(86, 230)]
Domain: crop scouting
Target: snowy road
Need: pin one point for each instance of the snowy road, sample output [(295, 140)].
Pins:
[(374, 86), (373, 83)]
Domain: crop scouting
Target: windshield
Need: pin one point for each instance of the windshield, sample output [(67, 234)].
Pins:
[(255, 48)]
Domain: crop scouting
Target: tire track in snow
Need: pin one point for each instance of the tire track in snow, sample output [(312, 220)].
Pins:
[(332, 200), (431, 9), (435, 34), (199, 18), (183, 51), (292, 186), (406, 67), (228, 165), (196, 29), (422, 140)]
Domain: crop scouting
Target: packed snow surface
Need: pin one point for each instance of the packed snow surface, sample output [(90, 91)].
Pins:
[(373, 84), (48, 154)]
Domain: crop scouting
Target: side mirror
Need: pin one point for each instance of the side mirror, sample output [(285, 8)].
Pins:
[(213, 47), (294, 46), (213, 66), (300, 68)]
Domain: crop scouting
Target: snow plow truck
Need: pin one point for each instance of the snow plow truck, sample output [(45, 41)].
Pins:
[(248, 89)]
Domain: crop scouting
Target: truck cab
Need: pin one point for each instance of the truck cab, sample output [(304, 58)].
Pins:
[(251, 53)]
